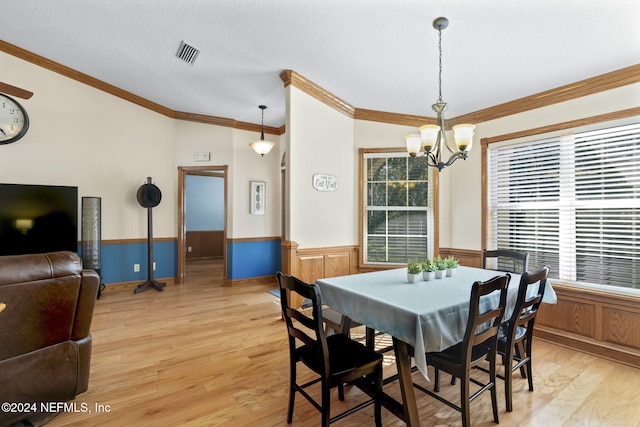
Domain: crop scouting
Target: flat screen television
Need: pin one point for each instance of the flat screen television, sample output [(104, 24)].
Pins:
[(38, 219)]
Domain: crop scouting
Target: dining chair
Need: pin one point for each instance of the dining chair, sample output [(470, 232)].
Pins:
[(336, 359), (507, 260), (516, 334), (479, 344)]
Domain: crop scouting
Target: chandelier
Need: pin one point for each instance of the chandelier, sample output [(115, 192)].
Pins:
[(262, 147), (428, 146)]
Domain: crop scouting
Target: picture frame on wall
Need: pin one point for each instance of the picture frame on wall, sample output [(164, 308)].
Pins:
[(258, 198)]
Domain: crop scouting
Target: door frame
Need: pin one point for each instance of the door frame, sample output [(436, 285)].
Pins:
[(183, 171)]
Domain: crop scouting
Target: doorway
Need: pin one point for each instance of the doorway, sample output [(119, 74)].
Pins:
[(218, 172)]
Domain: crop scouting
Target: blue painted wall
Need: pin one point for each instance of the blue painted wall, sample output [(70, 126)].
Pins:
[(253, 259), (204, 203), (118, 260), (244, 260)]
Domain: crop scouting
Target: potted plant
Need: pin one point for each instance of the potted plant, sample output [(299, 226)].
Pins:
[(451, 264), (440, 268), (414, 268), (428, 270)]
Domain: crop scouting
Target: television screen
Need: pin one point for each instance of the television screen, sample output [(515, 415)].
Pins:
[(38, 219)]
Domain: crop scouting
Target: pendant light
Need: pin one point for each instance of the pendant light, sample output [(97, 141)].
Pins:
[(262, 147)]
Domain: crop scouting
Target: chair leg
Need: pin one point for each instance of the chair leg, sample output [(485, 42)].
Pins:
[(529, 364), (292, 392), (436, 380), (326, 404), (508, 379), (494, 392), (464, 401), (378, 399), (341, 392)]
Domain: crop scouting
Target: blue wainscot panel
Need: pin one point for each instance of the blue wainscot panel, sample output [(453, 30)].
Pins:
[(253, 259), (118, 261)]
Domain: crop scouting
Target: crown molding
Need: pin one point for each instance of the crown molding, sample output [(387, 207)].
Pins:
[(607, 81), (590, 86), (393, 118), (83, 78), (222, 121), (290, 77), (572, 124)]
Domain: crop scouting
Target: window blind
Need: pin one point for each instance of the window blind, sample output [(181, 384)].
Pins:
[(572, 202)]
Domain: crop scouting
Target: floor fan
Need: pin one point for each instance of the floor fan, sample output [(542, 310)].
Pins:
[(149, 197)]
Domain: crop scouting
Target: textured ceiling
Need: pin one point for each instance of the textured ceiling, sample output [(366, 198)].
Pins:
[(373, 54)]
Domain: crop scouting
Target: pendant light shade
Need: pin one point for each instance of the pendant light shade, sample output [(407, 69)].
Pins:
[(262, 147)]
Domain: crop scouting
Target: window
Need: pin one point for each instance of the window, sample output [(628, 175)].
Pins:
[(572, 202), (398, 214)]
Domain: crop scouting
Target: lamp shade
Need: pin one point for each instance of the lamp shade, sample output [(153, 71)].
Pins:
[(429, 135), (463, 135), (262, 147), (414, 142)]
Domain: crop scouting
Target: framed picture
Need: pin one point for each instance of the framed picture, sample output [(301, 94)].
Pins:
[(258, 197)]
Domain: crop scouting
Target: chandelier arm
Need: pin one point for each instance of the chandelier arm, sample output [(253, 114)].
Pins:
[(454, 157)]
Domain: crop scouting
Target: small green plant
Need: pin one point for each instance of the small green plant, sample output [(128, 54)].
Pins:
[(439, 262), (428, 265), (451, 262), (414, 267)]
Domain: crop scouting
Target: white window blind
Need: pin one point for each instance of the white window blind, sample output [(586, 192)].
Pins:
[(398, 203), (572, 202)]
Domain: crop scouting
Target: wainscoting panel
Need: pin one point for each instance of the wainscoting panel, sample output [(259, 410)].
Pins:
[(205, 244), (467, 257), (569, 316), (310, 264), (601, 323), (624, 327)]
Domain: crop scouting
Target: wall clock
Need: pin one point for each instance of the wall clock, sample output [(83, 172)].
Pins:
[(14, 120)]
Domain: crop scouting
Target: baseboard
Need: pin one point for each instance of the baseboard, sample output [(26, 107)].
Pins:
[(605, 350)]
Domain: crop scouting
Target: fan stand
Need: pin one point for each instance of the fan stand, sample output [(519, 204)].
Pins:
[(150, 283)]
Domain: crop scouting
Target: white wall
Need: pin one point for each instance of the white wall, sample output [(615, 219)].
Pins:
[(81, 136), (249, 166), (319, 140)]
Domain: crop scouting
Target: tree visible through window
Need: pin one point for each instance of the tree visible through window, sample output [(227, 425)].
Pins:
[(572, 202), (398, 204)]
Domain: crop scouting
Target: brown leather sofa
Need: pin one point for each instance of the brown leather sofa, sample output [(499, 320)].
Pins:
[(45, 344)]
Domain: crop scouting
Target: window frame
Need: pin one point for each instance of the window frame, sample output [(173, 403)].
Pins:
[(362, 232), (554, 131)]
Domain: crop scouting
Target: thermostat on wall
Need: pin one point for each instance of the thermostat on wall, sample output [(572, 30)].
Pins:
[(202, 157)]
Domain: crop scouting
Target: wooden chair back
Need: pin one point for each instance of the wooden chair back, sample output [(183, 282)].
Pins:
[(507, 260), (484, 318), (305, 325), (526, 308)]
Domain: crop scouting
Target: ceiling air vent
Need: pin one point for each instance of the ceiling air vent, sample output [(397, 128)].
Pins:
[(187, 53)]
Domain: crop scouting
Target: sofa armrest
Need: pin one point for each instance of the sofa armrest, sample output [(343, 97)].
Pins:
[(86, 302)]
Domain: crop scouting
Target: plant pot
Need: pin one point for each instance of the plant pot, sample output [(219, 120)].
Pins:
[(413, 278), (440, 274), (428, 275), (450, 272)]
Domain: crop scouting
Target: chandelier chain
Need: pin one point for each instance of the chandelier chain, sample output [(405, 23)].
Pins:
[(440, 65)]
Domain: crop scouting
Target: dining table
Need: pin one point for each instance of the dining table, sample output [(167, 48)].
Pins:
[(428, 316)]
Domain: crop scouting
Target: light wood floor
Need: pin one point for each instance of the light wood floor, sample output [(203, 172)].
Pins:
[(205, 355)]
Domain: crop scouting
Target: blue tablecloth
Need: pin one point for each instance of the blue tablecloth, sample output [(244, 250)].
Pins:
[(429, 316)]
